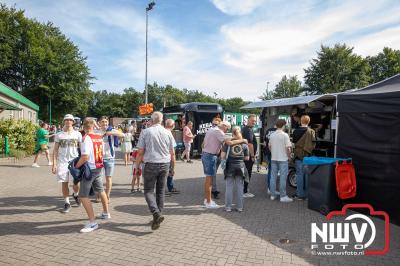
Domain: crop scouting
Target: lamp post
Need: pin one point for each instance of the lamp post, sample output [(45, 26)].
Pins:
[(148, 8)]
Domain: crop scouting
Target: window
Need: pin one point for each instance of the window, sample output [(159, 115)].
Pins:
[(30, 116)]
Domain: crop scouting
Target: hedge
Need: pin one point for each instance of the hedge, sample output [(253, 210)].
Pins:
[(21, 135)]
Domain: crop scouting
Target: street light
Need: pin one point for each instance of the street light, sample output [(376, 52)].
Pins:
[(148, 8)]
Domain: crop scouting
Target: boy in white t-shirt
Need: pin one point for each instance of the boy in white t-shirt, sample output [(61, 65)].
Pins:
[(280, 147), (92, 152), (65, 150)]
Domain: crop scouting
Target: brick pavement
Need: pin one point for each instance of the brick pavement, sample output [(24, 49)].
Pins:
[(33, 231)]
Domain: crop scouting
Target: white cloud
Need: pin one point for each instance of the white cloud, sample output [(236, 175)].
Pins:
[(374, 43), (237, 7), (266, 49), (259, 43)]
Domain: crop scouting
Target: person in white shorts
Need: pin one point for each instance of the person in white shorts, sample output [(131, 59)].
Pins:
[(65, 150)]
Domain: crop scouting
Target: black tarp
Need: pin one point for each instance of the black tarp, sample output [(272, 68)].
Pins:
[(369, 132)]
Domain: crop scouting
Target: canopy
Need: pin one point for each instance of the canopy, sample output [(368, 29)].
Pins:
[(369, 132), (289, 101), (7, 106)]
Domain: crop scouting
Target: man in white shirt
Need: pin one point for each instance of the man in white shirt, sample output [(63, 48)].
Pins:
[(280, 147), (65, 150)]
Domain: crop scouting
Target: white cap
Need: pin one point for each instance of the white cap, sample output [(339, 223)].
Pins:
[(68, 116)]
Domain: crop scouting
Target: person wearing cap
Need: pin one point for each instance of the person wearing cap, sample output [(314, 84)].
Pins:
[(65, 150), (213, 141)]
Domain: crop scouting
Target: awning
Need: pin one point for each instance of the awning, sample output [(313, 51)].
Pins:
[(7, 106), (289, 101)]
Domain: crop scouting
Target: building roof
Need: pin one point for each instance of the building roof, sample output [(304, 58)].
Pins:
[(4, 89)]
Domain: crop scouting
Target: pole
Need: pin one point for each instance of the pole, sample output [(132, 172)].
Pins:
[(145, 78), (6, 146)]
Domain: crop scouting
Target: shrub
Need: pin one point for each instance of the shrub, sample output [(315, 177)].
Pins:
[(21, 135), (19, 154)]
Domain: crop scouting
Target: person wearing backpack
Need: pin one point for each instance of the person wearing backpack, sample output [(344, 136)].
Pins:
[(235, 171), (92, 152), (304, 140)]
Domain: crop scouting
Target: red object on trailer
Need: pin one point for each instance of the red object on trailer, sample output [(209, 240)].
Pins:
[(346, 185)]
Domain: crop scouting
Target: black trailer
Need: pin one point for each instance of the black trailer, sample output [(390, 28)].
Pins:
[(201, 114)]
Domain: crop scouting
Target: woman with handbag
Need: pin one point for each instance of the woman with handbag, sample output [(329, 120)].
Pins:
[(235, 172)]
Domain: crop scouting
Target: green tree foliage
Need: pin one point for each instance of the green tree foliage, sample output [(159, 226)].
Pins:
[(232, 104), (336, 69), (286, 88), (267, 95), (109, 104), (385, 64), (41, 63), (127, 104)]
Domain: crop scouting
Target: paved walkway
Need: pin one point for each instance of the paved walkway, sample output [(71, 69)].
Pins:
[(33, 231)]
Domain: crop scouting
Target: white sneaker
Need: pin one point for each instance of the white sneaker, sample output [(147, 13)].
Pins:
[(89, 227), (273, 197), (50, 163), (205, 202), (105, 216), (35, 165), (228, 209), (286, 199), (212, 205), (248, 195), (269, 192)]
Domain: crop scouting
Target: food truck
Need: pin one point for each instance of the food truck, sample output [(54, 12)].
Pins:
[(320, 108), (201, 114)]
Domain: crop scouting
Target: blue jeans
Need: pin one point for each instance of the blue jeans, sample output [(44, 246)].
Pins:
[(170, 183), (283, 168), (209, 163), (269, 171), (109, 166), (301, 179)]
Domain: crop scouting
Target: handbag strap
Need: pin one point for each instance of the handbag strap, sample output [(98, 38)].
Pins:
[(227, 152)]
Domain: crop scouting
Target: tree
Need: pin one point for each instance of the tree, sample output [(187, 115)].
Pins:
[(267, 95), (109, 104), (288, 87), (41, 63), (336, 69), (232, 104), (385, 64)]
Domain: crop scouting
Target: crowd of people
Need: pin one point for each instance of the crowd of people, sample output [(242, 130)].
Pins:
[(83, 158)]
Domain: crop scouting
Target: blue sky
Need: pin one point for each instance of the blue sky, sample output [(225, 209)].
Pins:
[(231, 47)]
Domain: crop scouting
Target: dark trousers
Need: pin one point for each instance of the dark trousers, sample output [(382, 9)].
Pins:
[(154, 175), (249, 167)]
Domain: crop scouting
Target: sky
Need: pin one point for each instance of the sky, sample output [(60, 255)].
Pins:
[(234, 48)]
